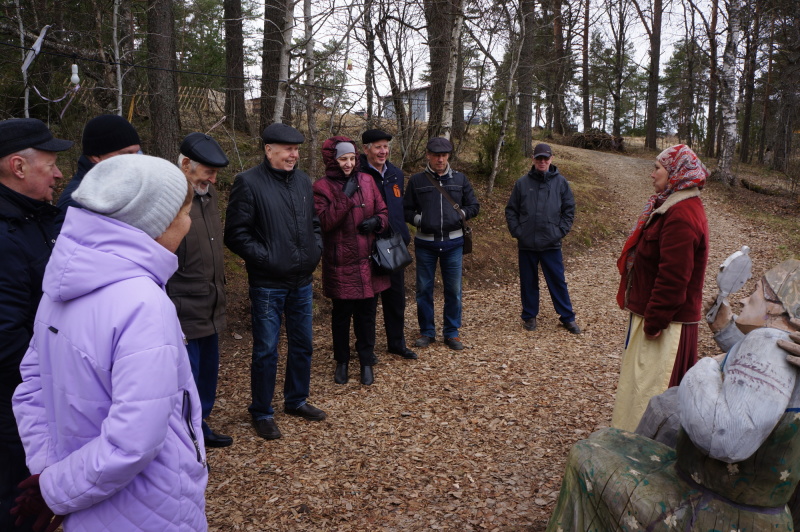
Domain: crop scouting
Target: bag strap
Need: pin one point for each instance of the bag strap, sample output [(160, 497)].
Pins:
[(456, 206)]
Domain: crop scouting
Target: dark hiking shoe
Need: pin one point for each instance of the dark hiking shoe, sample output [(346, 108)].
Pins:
[(454, 343), (424, 341)]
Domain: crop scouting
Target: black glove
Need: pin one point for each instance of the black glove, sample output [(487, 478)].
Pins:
[(31, 503), (350, 187), (370, 225)]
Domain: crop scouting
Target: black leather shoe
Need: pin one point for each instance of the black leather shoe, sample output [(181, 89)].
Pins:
[(454, 343), (424, 341), (404, 352), (267, 429), (367, 377), (572, 327), (530, 324), (340, 374), (311, 413), (212, 439)]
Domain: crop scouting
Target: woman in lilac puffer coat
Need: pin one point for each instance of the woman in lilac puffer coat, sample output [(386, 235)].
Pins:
[(351, 211), (107, 410)]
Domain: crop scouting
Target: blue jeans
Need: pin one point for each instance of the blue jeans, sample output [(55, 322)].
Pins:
[(269, 305), (552, 264), (450, 265), (204, 359)]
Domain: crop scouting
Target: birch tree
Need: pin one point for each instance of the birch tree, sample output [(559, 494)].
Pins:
[(724, 171)]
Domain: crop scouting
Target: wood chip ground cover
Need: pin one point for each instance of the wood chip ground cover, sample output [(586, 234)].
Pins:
[(470, 440)]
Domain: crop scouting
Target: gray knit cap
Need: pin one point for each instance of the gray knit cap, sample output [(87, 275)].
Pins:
[(139, 190), (343, 148)]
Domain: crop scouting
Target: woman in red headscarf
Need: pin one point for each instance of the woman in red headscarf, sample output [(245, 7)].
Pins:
[(663, 265)]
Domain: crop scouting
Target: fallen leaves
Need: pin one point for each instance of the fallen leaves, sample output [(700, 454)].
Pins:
[(470, 440)]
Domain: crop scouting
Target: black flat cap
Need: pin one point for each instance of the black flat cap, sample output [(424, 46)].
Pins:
[(20, 134), (282, 134), (439, 145), (542, 150), (374, 135), (204, 149)]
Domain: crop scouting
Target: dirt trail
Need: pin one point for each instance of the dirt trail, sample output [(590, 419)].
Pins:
[(474, 440)]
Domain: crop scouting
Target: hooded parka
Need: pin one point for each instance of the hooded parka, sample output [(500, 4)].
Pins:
[(108, 411), (347, 271)]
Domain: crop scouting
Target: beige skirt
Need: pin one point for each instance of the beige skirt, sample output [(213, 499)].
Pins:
[(644, 372)]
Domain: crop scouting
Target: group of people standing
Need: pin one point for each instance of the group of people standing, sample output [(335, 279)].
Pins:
[(106, 388)]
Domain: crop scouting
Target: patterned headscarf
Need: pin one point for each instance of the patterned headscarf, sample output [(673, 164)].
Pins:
[(684, 170)]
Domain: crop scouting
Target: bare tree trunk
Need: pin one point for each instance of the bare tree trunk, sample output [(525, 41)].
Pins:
[(439, 15), (558, 100), (311, 100), (767, 89), (164, 108), (274, 20), (728, 96), (525, 79), (653, 76), (501, 137), (395, 80), (449, 88), (713, 82), (369, 74), (27, 90), (283, 65), (587, 115), (234, 66), (749, 82), (458, 92), (115, 42)]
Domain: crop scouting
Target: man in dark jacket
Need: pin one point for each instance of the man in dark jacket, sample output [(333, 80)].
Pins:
[(270, 223), (439, 238), (198, 287), (28, 231), (539, 213), (104, 137), (390, 181)]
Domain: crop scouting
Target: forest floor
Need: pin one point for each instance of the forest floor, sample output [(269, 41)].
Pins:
[(470, 440)]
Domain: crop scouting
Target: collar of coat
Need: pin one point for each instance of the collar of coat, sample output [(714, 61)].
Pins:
[(675, 197)]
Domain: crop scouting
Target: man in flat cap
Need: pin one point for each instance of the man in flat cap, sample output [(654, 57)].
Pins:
[(198, 286), (439, 238), (28, 230), (539, 213), (104, 137), (390, 181), (270, 223)]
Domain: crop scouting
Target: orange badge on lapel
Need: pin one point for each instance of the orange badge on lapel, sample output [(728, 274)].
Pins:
[(396, 191)]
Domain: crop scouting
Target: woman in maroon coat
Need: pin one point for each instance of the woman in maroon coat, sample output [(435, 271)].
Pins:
[(351, 211), (663, 265)]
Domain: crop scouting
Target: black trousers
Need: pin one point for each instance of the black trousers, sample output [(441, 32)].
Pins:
[(362, 312), (393, 300)]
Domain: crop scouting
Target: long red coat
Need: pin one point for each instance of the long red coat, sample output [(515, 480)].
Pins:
[(347, 272), (666, 282)]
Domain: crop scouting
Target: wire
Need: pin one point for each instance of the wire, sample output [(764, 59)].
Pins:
[(75, 56)]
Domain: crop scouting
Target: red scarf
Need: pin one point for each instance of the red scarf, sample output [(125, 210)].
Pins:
[(684, 170)]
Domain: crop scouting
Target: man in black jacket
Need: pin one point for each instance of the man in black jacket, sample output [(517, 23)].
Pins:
[(270, 223), (103, 137), (390, 181), (198, 287), (539, 214), (28, 231), (439, 238)]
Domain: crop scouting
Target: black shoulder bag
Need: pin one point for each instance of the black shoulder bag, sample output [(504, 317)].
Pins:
[(390, 254)]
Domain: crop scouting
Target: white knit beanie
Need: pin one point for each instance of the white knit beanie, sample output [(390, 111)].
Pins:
[(139, 190)]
